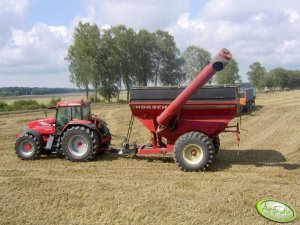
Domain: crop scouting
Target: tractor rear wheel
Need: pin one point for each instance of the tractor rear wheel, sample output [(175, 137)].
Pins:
[(216, 142), (28, 147), (193, 151), (80, 144)]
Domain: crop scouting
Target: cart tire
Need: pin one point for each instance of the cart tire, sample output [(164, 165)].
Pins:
[(193, 151), (217, 143)]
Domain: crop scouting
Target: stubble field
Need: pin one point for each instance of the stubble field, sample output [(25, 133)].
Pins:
[(117, 189)]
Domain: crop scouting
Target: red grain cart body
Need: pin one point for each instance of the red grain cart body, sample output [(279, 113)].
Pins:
[(187, 121)]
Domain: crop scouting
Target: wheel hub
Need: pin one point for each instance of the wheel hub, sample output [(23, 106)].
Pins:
[(78, 145), (192, 153), (27, 147)]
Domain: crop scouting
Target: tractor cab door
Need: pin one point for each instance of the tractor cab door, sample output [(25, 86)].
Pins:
[(63, 116)]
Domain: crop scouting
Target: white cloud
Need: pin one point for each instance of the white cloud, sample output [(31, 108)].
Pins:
[(265, 31), (40, 52), (151, 14), (16, 7)]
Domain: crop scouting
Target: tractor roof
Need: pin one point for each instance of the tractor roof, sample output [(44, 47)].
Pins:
[(73, 103)]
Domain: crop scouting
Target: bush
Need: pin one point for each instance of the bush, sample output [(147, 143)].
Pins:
[(123, 101), (4, 107), (53, 101), (25, 105), (92, 99)]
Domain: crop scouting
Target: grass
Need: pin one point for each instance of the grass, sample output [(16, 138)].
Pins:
[(117, 189)]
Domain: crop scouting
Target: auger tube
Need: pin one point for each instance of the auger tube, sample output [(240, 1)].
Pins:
[(218, 63)]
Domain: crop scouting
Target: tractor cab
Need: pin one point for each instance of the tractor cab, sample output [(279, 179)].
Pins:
[(68, 111)]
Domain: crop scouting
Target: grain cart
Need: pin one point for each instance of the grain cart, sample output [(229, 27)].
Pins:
[(187, 121), (74, 133)]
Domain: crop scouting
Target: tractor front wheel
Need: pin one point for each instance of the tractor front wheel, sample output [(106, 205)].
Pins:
[(80, 144), (28, 147), (193, 151)]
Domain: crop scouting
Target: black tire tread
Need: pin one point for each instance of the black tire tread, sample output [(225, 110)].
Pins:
[(194, 135), (217, 143), (94, 139), (37, 152)]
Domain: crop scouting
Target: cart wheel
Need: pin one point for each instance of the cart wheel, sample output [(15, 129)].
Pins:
[(193, 151), (216, 142)]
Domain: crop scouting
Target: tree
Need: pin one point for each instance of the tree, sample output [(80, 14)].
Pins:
[(230, 74), (165, 59), (124, 54), (196, 60), (279, 77), (108, 66), (82, 57), (257, 75), (144, 46)]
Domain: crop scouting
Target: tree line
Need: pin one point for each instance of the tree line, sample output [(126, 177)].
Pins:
[(17, 91), (275, 79), (117, 58), (109, 60)]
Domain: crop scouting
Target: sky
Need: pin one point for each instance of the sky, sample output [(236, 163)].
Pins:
[(35, 34)]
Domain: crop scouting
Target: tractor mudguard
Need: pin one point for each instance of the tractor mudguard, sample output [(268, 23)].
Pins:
[(34, 133), (88, 125)]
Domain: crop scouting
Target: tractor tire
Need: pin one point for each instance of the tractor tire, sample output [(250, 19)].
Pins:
[(27, 147), (193, 151), (80, 144), (217, 143)]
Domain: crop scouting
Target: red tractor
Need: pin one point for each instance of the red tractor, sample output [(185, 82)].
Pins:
[(74, 133)]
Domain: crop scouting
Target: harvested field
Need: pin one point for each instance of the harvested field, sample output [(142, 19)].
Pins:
[(152, 190)]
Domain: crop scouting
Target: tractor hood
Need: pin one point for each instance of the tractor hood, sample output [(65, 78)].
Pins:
[(42, 126)]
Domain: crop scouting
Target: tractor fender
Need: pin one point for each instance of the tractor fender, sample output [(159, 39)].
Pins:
[(88, 125), (33, 133)]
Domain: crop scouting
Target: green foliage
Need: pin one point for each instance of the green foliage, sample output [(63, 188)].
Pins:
[(167, 65), (17, 91), (277, 78), (82, 56), (119, 57), (230, 74), (53, 101), (26, 104), (116, 58), (4, 107), (280, 78), (196, 59), (145, 47), (257, 75)]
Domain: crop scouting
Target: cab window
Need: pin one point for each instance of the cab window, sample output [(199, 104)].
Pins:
[(63, 116), (76, 113), (86, 112)]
